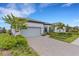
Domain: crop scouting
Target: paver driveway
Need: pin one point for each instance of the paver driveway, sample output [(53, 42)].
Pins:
[(46, 46)]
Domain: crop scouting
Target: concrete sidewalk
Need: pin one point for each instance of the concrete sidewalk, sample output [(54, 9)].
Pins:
[(46, 46), (76, 42)]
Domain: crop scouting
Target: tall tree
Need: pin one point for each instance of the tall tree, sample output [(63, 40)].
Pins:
[(67, 28), (53, 27), (15, 22)]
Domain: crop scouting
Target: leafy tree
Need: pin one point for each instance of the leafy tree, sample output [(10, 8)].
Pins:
[(67, 28), (52, 27), (16, 22)]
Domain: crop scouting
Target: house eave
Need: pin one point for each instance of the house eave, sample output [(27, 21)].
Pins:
[(35, 21)]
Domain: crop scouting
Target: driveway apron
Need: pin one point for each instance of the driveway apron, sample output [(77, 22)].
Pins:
[(46, 46)]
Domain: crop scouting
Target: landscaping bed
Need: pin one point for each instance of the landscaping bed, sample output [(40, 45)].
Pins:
[(15, 46), (66, 37)]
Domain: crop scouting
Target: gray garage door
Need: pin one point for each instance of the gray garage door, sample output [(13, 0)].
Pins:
[(31, 32)]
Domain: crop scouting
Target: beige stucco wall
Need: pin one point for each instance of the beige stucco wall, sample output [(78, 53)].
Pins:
[(47, 26), (32, 24)]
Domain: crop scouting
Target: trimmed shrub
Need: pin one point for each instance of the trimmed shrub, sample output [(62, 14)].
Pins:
[(7, 41), (21, 41)]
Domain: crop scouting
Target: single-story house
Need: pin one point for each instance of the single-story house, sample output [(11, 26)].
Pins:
[(35, 28), (60, 30)]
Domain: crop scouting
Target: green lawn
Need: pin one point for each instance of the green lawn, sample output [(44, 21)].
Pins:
[(66, 37), (15, 46)]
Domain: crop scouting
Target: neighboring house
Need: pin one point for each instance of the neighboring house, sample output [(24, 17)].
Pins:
[(2, 30), (35, 28), (60, 30)]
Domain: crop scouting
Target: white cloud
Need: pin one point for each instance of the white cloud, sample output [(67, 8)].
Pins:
[(67, 5), (26, 10), (11, 5), (76, 20), (29, 9), (5, 11), (43, 5), (29, 4)]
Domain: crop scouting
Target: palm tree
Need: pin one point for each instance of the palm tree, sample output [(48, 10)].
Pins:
[(8, 19), (67, 28), (60, 26), (52, 27), (15, 22)]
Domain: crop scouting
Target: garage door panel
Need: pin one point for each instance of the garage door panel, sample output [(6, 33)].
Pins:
[(31, 32)]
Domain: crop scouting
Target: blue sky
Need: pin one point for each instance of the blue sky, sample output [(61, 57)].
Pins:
[(67, 13)]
